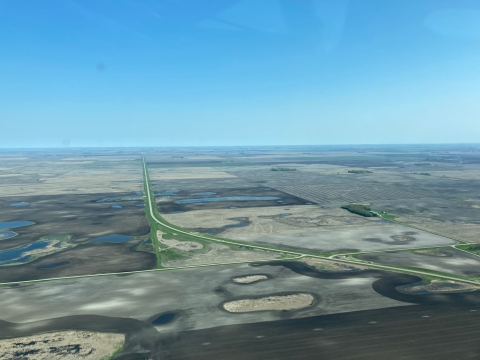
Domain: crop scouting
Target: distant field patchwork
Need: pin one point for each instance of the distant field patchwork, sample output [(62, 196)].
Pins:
[(324, 194)]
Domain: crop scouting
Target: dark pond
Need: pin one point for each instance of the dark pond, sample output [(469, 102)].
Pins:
[(227, 198), (236, 225), (140, 205), (54, 265), (16, 255), (164, 319), (7, 235), (14, 224), (114, 238), (20, 203)]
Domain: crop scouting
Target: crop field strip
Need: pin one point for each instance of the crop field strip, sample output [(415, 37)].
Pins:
[(286, 177), (325, 194)]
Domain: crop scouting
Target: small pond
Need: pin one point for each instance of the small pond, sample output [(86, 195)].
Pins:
[(14, 224), (20, 203), (7, 235), (227, 198), (17, 255), (164, 319), (114, 238), (117, 207), (203, 193)]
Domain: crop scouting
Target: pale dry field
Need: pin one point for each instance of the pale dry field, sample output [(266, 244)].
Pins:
[(269, 220), (270, 303), (458, 231), (307, 226), (188, 173), (458, 174), (69, 177), (249, 279)]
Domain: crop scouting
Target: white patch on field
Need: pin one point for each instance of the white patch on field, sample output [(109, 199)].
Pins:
[(105, 305)]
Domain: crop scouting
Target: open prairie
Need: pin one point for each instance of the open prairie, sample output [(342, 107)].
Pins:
[(182, 253)]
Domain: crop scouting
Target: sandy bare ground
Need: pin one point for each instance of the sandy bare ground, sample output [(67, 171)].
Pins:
[(249, 279), (219, 254), (441, 286), (326, 265), (65, 345), (306, 226), (180, 245), (276, 303), (269, 220)]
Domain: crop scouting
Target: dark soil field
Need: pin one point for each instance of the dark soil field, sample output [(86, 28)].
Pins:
[(439, 326), (78, 215), (413, 332)]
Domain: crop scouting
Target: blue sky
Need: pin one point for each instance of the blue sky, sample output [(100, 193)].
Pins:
[(238, 72)]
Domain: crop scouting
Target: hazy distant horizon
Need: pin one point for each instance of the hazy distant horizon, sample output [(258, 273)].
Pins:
[(139, 147)]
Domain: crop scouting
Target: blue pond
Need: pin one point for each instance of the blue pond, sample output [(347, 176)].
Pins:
[(203, 193), (164, 319), (7, 235), (20, 203), (117, 207), (227, 198), (233, 207), (14, 224), (140, 205), (16, 255), (114, 238), (285, 214)]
